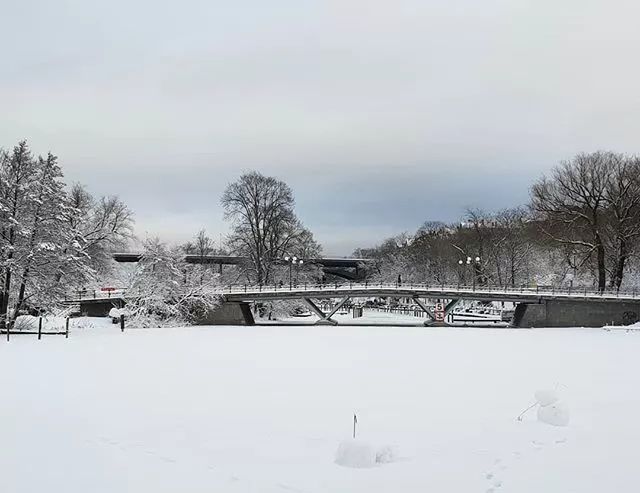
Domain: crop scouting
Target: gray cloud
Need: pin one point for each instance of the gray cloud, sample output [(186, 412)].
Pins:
[(380, 114)]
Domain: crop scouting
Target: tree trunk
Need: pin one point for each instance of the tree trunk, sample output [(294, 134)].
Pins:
[(3, 319), (20, 302), (498, 270), (602, 272), (618, 272), (7, 281), (5, 299)]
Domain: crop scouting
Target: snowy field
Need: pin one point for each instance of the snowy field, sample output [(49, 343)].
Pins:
[(264, 409)]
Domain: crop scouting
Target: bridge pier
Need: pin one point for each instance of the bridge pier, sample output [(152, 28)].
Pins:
[(228, 313), (325, 319), (425, 309), (450, 306)]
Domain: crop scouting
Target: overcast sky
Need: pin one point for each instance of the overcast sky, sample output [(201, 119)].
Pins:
[(379, 114)]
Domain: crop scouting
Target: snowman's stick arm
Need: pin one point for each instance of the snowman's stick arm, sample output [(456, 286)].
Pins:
[(523, 412)]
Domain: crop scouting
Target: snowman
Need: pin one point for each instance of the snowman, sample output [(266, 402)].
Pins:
[(551, 410)]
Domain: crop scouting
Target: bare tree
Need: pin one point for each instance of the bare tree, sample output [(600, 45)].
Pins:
[(622, 198), (473, 239), (264, 224), (572, 202), (511, 247), (202, 245)]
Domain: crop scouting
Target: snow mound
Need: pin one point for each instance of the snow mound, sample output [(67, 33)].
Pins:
[(385, 454), (360, 454), (116, 312), (546, 397), (355, 453), (556, 414)]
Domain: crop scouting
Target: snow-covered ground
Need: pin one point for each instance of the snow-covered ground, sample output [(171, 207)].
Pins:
[(264, 409)]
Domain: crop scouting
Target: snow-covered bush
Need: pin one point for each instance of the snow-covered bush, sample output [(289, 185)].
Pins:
[(29, 322), (166, 291), (26, 322)]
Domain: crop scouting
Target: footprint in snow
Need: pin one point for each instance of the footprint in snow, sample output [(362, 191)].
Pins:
[(288, 488), (496, 483), (491, 476)]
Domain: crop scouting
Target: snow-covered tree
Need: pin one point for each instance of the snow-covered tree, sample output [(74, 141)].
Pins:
[(35, 245), (166, 290), (48, 249), (101, 226)]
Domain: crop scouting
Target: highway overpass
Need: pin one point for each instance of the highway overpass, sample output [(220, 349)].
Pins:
[(343, 267)]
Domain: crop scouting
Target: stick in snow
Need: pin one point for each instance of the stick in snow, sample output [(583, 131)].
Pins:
[(355, 421)]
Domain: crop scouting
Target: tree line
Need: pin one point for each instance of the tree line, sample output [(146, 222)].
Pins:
[(581, 227)]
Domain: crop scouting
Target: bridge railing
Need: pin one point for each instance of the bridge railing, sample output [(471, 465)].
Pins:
[(95, 294), (565, 291)]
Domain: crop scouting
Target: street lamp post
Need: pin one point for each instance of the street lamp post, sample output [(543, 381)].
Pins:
[(300, 262), (293, 261), (476, 264)]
